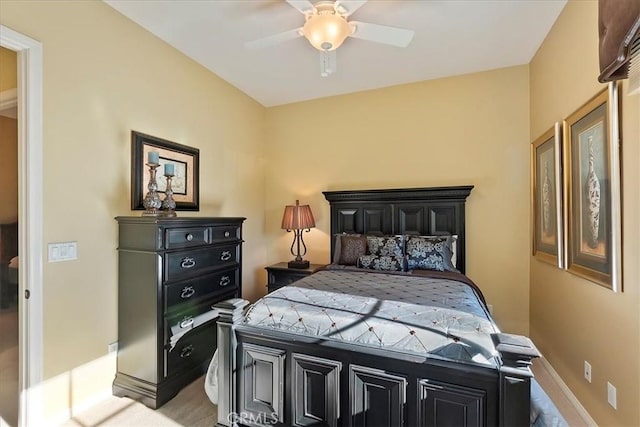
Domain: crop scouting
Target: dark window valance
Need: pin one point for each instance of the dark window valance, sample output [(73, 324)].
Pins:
[(619, 31)]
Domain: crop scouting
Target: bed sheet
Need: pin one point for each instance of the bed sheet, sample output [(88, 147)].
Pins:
[(427, 316)]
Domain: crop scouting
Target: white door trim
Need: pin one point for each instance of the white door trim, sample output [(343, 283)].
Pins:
[(30, 241)]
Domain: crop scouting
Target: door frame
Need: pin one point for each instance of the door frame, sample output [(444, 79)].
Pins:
[(30, 237)]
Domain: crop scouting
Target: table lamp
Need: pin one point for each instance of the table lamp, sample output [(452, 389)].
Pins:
[(298, 218)]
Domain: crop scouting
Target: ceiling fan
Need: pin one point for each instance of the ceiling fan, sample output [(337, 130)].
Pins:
[(326, 28)]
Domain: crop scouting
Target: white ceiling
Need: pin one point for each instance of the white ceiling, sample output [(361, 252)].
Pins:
[(452, 37)]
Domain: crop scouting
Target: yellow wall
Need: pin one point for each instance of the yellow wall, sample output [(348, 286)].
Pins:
[(103, 77), (8, 170), (8, 143), (8, 69), (471, 129), (573, 320)]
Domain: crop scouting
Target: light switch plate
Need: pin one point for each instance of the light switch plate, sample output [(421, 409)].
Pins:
[(63, 251)]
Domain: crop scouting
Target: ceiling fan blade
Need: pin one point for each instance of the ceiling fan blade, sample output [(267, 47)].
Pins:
[(304, 6), (382, 34), (274, 39), (347, 7)]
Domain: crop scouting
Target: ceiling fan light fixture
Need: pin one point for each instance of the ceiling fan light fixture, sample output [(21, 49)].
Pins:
[(326, 31)]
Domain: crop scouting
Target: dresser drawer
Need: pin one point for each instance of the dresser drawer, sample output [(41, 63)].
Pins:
[(192, 315), (187, 237), (182, 264), (226, 233), (283, 278), (189, 291), (192, 349), (185, 319)]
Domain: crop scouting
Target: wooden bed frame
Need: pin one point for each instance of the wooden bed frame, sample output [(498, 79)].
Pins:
[(273, 378)]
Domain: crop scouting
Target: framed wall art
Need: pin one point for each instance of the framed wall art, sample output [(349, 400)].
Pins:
[(186, 162), (546, 197), (592, 180)]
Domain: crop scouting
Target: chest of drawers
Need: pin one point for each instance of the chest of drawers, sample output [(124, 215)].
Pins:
[(171, 271)]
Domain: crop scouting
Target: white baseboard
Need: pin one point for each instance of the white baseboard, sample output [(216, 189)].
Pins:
[(568, 393)]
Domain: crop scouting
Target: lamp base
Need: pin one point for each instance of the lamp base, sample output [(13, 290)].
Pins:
[(298, 264)]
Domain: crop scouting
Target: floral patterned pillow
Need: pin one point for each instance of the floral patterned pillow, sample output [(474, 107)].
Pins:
[(385, 245), (382, 262), (351, 248), (429, 253)]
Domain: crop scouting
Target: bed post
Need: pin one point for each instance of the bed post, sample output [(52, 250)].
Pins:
[(516, 353), (230, 315)]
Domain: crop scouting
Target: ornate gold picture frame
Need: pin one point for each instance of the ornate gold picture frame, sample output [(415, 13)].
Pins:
[(546, 197), (592, 190)]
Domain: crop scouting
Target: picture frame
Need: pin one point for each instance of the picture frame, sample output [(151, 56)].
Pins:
[(592, 190), (186, 161), (546, 197)]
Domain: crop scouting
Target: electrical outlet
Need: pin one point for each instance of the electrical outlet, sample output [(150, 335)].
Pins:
[(490, 307), (611, 395), (113, 347), (587, 371)]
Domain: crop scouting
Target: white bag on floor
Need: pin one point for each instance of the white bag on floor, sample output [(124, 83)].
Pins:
[(211, 380)]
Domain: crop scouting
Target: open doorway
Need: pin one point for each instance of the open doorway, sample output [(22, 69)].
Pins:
[(29, 228), (9, 317)]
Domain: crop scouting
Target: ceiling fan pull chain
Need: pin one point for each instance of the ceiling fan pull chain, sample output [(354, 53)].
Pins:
[(328, 63)]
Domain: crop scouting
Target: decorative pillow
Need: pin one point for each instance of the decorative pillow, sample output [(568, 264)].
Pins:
[(385, 245), (382, 262), (337, 247), (453, 245), (429, 253), (351, 248)]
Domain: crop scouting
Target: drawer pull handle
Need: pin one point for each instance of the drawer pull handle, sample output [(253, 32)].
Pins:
[(189, 237), (225, 281), (225, 256), (186, 351), (187, 292), (186, 322), (188, 262), (227, 234)]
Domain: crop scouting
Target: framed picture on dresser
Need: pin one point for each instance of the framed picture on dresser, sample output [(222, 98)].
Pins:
[(546, 197), (186, 168), (592, 190)]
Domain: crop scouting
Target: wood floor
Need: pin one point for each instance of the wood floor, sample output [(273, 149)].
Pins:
[(8, 367), (190, 407)]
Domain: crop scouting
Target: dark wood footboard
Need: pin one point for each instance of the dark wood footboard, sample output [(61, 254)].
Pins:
[(274, 378)]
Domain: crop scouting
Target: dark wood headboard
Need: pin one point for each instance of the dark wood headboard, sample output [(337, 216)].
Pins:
[(423, 211)]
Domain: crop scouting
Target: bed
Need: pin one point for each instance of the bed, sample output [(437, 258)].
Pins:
[(354, 346)]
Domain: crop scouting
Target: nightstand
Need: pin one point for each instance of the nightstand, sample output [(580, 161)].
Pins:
[(279, 275)]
